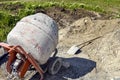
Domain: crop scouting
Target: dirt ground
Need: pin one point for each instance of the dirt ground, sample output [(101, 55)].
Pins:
[(97, 60)]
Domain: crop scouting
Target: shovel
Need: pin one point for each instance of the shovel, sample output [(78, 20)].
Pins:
[(76, 48)]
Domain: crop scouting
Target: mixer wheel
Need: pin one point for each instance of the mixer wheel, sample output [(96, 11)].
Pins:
[(54, 65)]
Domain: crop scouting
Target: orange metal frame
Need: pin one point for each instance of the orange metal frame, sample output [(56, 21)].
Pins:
[(27, 60)]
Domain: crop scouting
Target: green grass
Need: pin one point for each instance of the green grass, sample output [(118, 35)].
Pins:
[(10, 13), (108, 5)]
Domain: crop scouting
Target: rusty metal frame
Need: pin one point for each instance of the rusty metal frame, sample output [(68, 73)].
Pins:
[(28, 60)]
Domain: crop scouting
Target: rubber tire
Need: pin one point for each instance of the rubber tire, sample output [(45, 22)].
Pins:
[(54, 65)]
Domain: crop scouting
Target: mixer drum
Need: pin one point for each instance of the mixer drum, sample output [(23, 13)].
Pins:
[(37, 34)]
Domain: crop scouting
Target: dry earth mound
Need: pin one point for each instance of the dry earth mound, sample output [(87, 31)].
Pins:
[(104, 50), (98, 60)]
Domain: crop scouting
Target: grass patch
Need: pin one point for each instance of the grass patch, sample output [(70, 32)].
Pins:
[(13, 11), (7, 21)]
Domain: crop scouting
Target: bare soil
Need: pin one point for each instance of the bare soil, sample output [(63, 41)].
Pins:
[(64, 17), (98, 60)]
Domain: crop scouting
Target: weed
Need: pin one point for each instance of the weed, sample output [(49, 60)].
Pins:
[(13, 11)]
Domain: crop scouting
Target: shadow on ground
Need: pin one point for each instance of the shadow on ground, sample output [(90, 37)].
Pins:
[(79, 67)]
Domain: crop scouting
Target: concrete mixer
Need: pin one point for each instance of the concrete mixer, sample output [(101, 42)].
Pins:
[(32, 42)]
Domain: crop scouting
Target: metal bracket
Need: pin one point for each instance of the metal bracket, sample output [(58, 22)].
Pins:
[(26, 58)]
